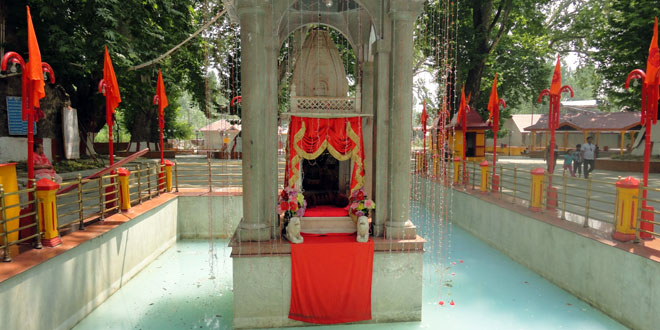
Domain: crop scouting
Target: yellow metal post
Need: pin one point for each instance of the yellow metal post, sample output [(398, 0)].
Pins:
[(484, 176), (47, 211), (536, 200), (124, 193), (12, 209), (168, 175), (457, 170), (626, 209)]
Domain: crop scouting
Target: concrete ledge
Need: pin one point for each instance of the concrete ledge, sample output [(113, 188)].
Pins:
[(76, 277), (195, 210), (619, 279), (262, 290), (626, 165)]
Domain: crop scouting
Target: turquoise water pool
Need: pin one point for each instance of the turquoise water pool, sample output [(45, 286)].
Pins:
[(188, 287)]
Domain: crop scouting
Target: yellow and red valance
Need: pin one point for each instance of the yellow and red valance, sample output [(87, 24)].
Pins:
[(310, 137)]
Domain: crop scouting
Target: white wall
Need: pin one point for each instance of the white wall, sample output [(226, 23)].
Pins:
[(15, 149), (59, 293)]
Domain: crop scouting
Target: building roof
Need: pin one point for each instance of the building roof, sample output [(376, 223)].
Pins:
[(591, 121), (524, 120), (220, 126), (474, 121)]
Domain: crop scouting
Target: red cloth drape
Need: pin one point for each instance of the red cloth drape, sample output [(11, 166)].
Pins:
[(309, 137), (331, 280)]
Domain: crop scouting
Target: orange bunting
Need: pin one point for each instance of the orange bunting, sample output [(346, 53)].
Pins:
[(555, 88), (162, 99), (653, 61), (35, 73), (493, 102), (111, 87)]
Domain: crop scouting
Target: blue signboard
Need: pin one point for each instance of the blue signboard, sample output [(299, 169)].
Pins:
[(16, 124)]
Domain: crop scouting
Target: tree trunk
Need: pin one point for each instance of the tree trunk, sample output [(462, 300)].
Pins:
[(481, 19)]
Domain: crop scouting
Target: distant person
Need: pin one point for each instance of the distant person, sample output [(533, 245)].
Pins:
[(568, 163), (577, 160), (589, 156), (237, 147), (42, 166), (547, 158)]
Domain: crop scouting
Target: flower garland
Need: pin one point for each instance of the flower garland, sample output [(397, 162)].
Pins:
[(360, 205), (291, 203)]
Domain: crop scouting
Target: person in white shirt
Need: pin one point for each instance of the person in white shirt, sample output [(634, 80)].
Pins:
[(588, 156)]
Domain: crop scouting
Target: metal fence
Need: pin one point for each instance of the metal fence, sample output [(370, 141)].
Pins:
[(84, 201), (16, 230), (589, 202)]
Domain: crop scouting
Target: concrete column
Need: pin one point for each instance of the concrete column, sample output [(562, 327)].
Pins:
[(272, 138), (368, 123), (381, 87), (254, 225), (403, 14)]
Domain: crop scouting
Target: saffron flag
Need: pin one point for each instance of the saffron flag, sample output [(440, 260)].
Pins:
[(424, 118), (653, 62), (113, 98), (461, 106), (161, 99), (493, 102), (35, 73), (555, 88)]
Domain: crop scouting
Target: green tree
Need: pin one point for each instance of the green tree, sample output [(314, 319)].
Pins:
[(73, 33), (619, 45)]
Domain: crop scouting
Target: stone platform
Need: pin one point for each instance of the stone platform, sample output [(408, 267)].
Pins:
[(262, 282)]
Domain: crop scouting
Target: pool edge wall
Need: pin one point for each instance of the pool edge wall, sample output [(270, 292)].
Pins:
[(619, 283), (193, 216), (61, 291), (262, 289)]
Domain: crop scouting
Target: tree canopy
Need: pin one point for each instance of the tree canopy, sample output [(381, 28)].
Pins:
[(72, 35)]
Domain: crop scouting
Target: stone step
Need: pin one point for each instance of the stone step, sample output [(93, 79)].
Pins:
[(326, 225)]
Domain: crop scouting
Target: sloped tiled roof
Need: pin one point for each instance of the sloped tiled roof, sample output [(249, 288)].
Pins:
[(525, 120), (220, 125), (591, 121), (473, 121)]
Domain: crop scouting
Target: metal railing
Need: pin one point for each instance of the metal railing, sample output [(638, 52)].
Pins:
[(212, 176), (90, 200), (588, 202), (22, 227)]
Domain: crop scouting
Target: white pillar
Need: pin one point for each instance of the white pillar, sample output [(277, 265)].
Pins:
[(381, 88), (255, 225), (403, 14)]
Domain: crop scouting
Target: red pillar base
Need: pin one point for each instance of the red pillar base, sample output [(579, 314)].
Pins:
[(623, 237), (496, 183), (52, 242), (647, 215), (552, 198)]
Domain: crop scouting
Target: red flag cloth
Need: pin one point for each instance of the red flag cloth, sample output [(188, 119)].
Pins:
[(113, 98), (494, 101), (555, 88), (653, 61), (162, 100), (461, 107), (424, 118), (331, 280), (35, 73)]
